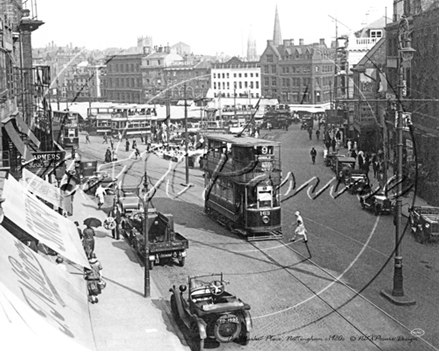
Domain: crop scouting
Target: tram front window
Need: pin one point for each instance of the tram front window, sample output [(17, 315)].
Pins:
[(264, 195)]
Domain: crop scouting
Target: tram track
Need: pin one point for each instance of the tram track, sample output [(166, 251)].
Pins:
[(318, 295)]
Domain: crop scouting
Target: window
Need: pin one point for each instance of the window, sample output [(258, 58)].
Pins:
[(274, 69), (245, 75), (257, 85), (266, 69), (239, 75), (214, 75), (274, 81), (245, 84), (239, 85), (215, 85), (376, 34), (269, 58), (227, 75), (266, 81), (251, 75), (223, 75), (251, 85), (235, 75), (158, 62), (256, 74)]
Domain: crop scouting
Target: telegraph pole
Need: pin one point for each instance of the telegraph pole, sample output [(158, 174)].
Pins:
[(147, 244)]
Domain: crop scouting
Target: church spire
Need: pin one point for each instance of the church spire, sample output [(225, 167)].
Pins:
[(251, 47), (277, 39)]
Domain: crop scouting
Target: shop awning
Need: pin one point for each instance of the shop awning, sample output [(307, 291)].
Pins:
[(18, 143), (42, 307), (24, 128), (46, 191), (23, 211)]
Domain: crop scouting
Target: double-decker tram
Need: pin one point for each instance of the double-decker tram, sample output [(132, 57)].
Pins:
[(121, 120), (65, 128), (242, 184)]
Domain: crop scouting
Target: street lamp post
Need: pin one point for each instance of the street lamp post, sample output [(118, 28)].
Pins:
[(186, 138), (406, 53)]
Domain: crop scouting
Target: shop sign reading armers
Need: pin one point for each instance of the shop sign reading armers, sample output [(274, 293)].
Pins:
[(45, 161)]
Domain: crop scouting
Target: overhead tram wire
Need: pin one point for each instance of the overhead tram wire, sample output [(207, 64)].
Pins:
[(335, 310), (257, 106)]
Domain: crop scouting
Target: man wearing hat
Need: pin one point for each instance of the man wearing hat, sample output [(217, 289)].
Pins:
[(300, 229)]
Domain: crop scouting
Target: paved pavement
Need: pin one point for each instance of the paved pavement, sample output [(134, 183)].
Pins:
[(123, 319)]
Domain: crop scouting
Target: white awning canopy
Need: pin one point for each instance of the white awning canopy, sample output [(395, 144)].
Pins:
[(46, 191), (42, 307), (23, 210)]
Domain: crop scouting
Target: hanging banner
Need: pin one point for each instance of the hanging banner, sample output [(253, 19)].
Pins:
[(24, 210), (42, 307), (46, 191)]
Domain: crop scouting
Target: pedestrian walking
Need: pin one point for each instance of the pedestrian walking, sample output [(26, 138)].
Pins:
[(137, 153), (89, 241), (333, 144), (96, 266), (317, 134), (310, 133), (349, 145), (134, 145), (313, 154), (105, 139), (108, 155), (87, 139), (111, 143), (360, 158), (142, 139), (99, 193), (127, 145), (300, 228), (375, 164)]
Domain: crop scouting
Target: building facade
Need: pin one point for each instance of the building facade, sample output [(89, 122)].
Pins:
[(186, 79), (153, 75), (297, 73), (236, 78), (22, 86), (421, 79), (122, 82)]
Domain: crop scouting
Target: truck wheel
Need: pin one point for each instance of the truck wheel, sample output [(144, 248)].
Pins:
[(182, 262)]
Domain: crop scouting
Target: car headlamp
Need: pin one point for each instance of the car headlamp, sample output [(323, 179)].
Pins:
[(265, 219), (427, 225)]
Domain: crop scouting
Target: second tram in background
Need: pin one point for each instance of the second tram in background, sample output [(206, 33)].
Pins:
[(65, 128), (242, 184)]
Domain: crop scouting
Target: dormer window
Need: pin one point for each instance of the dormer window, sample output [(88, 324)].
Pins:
[(376, 34)]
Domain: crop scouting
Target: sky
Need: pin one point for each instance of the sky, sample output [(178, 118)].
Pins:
[(209, 27)]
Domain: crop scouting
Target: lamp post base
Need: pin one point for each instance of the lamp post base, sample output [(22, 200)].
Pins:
[(397, 300)]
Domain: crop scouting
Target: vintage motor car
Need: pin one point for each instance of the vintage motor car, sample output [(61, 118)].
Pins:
[(209, 312), (358, 182), (329, 158), (344, 167), (378, 202), (424, 223)]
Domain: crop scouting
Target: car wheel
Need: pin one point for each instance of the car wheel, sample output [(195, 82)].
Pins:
[(226, 331), (244, 337), (182, 262)]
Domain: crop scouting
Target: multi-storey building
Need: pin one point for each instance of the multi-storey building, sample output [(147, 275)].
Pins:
[(123, 79), (84, 82), (421, 79), (187, 79), (297, 73), (152, 71), (21, 85), (368, 105), (236, 78)]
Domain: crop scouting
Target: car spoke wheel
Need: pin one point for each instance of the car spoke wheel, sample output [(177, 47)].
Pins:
[(226, 330)]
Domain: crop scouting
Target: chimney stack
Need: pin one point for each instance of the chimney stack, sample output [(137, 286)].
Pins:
[(321, 41), (301, 42)]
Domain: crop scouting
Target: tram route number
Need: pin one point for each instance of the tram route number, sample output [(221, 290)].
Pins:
[(264, 213)]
